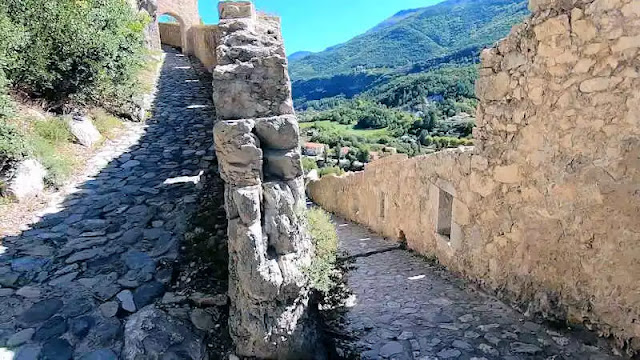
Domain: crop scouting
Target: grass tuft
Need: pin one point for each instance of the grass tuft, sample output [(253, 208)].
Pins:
[(331, 170), (323, 269), (54, 130), (107, 124)]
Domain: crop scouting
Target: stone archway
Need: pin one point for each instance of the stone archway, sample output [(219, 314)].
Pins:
[(186, 12), (173, 34), (193, 37)]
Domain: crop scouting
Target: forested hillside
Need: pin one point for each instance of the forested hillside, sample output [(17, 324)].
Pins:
[(415, 36), (407, 83), (452, 32)]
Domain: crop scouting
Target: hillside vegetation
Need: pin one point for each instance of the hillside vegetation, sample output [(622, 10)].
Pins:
[(450, 33), (415, 36), (61, 57), (407, 83)]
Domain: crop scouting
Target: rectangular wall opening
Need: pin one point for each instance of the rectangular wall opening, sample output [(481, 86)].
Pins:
[(445, 214)]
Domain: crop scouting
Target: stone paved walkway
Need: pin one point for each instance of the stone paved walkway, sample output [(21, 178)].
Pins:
[(70, 283), (407, 308)]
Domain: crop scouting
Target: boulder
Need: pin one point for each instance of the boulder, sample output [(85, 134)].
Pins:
[(313, 175), (27, 180), (83, 130), (172, 338)]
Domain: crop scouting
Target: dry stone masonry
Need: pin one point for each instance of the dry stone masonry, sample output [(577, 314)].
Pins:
[(545, 209), (257, 143)]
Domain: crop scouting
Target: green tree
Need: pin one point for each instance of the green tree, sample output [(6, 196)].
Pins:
[(80, 51)]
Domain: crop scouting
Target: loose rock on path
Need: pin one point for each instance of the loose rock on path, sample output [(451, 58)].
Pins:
[(83, 280), (404, 307)]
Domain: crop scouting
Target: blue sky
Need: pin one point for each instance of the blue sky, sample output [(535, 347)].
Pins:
[(314, 25)]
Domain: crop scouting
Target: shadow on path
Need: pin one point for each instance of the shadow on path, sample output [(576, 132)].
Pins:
[(68, 284), (406, 307)]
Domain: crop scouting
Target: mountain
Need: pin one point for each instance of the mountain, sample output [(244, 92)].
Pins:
[(404, 43), (299, 55)]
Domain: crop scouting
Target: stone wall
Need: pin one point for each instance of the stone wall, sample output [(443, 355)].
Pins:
[(187, 14), (170, 34), (256, 139), (545, 210), (204, 41), (201, 37)]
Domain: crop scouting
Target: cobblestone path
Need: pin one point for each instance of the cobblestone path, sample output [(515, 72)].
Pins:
[(407, 308), (74, 285)]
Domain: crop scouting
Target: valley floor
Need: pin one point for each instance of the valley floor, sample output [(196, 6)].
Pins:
[(406, 308)]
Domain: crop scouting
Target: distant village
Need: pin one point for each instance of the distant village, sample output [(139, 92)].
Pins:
[(344, 158)]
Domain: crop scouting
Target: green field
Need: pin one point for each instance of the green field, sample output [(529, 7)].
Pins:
[(348, 130)]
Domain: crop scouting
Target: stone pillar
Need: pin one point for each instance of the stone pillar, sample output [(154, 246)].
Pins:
[(257, 145)]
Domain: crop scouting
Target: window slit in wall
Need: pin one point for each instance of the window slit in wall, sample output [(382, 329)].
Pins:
[(445, 214)]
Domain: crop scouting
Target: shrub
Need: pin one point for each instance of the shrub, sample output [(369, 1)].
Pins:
[(309, 164), (13, 148), (323, 269), (331, 170), (6, 105), (84, 52), (12, 143), (11, 37)]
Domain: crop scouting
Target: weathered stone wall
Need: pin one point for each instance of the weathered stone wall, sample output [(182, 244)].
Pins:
[(204, 40), (187, 14), (170, 34), (256, 140), (546, 209), (201, 37)]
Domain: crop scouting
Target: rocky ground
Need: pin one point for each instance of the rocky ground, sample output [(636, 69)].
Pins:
[(406, 307), (109, 272)]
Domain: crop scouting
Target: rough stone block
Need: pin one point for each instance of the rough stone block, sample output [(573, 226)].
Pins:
[(507, 174), (239, 153), (631, 9), (479, 162), (481, 185), (599, 84), (584, 29), (258, 277), (236, 9), (279, 132), (229, 204), (554, 26), (461, 213), (539, 5), (493, 87), (82, 128), (247, 202), (283, 164), (513, 60), (281, 222), (252, 90), (626, 43)]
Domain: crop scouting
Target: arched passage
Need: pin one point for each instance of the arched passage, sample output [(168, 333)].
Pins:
[(187, 15), (172, 30)]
